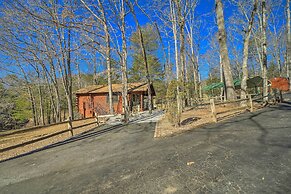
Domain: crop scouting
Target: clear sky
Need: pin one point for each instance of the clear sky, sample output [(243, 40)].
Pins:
[(205, 10)]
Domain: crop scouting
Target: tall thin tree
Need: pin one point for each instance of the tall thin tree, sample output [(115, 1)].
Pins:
[(288, 54), (264, 50), (246, 51), (144, 54), (230, 91)]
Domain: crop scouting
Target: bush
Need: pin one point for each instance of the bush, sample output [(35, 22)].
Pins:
[(7, 119), (172, 109), (173, 115)]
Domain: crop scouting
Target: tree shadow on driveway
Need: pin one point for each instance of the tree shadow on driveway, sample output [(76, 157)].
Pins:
[(279, 141), (270, 136), (85, 135), (145, 120)]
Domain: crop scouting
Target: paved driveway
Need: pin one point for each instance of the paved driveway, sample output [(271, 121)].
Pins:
[(249, 154)]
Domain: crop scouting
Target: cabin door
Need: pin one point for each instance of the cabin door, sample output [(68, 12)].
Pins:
[(84, 109)]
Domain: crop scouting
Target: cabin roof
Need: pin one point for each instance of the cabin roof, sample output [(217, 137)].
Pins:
[(116, 88)]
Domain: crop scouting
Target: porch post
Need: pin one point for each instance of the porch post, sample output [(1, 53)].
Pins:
[(141, 102)]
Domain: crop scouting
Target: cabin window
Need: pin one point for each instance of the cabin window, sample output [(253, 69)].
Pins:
[(115, 98), (135, 99)]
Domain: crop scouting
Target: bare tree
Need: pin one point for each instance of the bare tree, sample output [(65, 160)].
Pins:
[(141, 40), (194, 58), (246, 51), (119, 10), (103, 20), (230, 91), (288, 54), (177, 62), (181, 25), (124, 63), (264, 50)]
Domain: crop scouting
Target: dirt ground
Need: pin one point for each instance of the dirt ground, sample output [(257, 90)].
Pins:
[(196, 117), (17, 138)]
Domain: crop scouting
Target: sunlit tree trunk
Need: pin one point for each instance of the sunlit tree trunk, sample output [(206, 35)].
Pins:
[(40, 95), (69, 79), (264, 50), (108, 55), (78, 75), (181, 24), (288, 54), (178, 67), (103, 20), (230, 91), (31, 96), (124, 65), (194, 61), (52, 104), (141, 41), (246, 52)]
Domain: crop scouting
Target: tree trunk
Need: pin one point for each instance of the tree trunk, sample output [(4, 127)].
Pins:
[(108, 56), (69, 78), (181, 23), (41, 105), (246, 53), (95, 81), (108, 64), (124, 66), (58, 104), (224, 51), (40, 95), (169, 66), (49, 87), (178, 68), (104, 22), (264, 51), (49, 112), (200, 86), (195, 62), (222, 80), (288, 54), (78, 75), (54, 79), (141, 41), (64, 63), (31, 97)]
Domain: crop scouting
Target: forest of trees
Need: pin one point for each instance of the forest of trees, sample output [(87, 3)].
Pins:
[(49, 49)]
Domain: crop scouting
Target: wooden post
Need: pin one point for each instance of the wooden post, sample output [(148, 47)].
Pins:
[(281, 96), (251, 103), (138, 108), (213, 111), (96, 118), (70, 126), (141, 102)]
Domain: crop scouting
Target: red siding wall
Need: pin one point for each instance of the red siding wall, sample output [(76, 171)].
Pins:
[(84, 106), (280, 83), (89, 103)]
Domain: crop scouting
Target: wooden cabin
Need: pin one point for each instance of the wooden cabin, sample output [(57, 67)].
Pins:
[(95, 98)]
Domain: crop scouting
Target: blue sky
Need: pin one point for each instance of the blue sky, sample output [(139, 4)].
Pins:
[(205, 9)]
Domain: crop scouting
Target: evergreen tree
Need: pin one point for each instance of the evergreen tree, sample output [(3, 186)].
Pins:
[(138, 70)]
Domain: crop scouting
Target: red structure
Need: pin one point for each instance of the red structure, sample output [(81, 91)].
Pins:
[(96, 99), (280, 83)]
